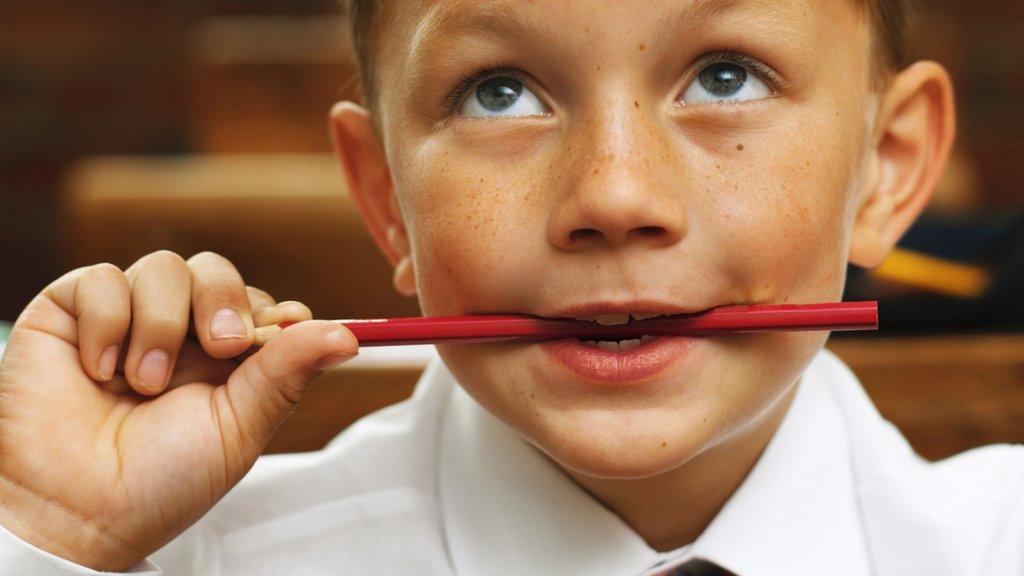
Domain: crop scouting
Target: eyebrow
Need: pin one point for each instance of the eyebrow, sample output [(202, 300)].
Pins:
[(704, 11), (504, 19), (499, 18)]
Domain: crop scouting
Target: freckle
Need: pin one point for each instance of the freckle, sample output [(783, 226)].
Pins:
[(642, 47), (739, 147), (663, 444), (596, 170), (531, 396), (636, 103), (718, 166)]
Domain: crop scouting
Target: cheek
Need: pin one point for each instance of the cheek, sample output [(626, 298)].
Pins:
[(471, 231), (780, 213)]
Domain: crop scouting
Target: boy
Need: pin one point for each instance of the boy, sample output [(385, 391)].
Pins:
[(565, 159)]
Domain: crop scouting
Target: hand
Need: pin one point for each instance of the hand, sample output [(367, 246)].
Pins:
[(122, 422)]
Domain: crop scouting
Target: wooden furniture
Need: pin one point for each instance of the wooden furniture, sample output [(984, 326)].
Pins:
[(285, 220), (945, 393), (267, 83)]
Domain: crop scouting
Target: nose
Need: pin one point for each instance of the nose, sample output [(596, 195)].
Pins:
[(619, 189)]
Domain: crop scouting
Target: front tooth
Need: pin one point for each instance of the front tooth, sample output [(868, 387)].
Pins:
[(629, 344), (644, 316), (612, 319), (610, 346), (646, 338)]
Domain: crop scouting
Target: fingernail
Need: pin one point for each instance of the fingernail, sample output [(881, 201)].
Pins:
[(328, 362), (108, 362), (225, 324), (153, 369), (338, 336)]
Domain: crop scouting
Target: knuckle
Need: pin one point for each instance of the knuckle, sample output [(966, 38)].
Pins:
[(289, 391), (110, 322), (66, 279), (208, 257), (161, 259), (219, 276), (71, 275), (295, 307), (167, 257), (107, 272), (222, 289), (105, 269), (163, 324), (213, 265), (259, 298), (109, 314), (254, 291)]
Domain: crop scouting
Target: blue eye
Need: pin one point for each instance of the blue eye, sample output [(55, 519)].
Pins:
[(502, 96), (725, 82)]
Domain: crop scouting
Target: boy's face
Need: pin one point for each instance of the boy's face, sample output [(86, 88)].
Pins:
[(608, 182)]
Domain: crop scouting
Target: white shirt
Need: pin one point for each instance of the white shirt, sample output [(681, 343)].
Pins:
[(437, 486)]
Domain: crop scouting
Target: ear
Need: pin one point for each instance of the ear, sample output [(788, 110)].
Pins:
[(365, 168), (915, 129)]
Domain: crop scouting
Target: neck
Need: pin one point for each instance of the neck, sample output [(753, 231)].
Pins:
[(672, 509)]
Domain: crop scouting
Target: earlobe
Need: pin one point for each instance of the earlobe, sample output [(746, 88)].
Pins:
[(868, 247), (368, 178), (916, 127), (404, 277)]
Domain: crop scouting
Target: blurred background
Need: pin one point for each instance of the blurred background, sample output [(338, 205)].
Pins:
[(128, 127)]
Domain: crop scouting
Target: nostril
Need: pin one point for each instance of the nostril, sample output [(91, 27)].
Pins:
[(583, 234), (650, 231)]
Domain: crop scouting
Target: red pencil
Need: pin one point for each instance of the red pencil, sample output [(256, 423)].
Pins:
[(494, 328)]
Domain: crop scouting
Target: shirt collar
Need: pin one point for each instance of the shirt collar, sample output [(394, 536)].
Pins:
[(795, 513), (518, 513)]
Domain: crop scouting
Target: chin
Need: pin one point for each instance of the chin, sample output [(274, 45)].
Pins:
[(624, 455)]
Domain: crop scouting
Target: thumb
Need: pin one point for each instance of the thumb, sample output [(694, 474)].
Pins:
[(264, 390)]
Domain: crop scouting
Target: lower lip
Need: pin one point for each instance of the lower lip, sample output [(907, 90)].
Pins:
[(644, 361)]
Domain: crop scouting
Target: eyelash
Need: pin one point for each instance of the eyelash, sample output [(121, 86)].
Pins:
[(458, 94), (775, 80)]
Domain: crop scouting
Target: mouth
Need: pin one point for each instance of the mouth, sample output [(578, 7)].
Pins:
[(626, 314), (614, 343), (620, 359)]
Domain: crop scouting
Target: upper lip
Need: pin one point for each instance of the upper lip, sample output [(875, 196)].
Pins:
[(589, 310)]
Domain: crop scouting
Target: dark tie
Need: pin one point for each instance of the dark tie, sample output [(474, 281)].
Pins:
[(696, 567)]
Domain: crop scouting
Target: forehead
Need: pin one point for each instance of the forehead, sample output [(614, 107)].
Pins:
[(427, 20), (414, 34)]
